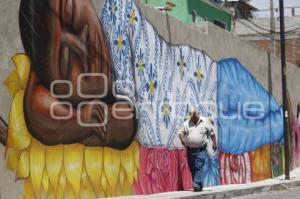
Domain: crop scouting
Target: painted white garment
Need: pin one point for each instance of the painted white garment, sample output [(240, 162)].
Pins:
[(161, 79)]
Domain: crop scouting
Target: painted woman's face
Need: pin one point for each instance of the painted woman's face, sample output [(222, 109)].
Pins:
[(77, 46)]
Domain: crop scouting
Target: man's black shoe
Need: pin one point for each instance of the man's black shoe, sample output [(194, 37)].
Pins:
[(197, 189)]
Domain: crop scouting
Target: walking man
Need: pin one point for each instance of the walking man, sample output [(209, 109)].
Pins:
[(194, 135)]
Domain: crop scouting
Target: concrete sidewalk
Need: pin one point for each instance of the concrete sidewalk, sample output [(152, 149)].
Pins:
[(230, 191)]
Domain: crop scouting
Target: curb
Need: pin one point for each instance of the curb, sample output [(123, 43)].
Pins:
[(243, 192)]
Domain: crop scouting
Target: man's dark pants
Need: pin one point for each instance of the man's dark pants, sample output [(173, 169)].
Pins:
[(196, 160)]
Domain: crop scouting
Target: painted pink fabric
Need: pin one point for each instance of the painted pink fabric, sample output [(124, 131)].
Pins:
[(296, 143), (185, 174), (234, 169), (162, 170)]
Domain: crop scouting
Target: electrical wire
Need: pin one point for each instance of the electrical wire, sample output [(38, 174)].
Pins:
[(269, 31), (262, 28), (267, 36), (293, 30)]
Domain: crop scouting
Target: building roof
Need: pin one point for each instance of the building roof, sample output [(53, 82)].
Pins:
[(218, 6), (244, 3)]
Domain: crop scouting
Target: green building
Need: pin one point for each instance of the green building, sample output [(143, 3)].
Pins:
[(195, 10)]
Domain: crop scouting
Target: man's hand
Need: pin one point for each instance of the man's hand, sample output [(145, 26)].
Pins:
[(214, 146), (181, 137), (183, 143), (213, 137)]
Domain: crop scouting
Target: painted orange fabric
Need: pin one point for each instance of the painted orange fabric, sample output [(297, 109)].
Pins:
[(261, 164)]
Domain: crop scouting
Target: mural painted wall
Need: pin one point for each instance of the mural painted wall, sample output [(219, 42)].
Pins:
[(98, 101)]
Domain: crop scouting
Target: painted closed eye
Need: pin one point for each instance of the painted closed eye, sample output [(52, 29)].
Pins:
[(67, 10), (64, 62)]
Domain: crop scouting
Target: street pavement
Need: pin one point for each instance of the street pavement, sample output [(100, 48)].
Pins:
[(292, 193), (276, 186)]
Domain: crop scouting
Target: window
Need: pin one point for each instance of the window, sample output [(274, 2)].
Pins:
[(220, 24), (160, 8)]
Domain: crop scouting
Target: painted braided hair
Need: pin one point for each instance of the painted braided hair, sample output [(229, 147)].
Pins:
[(35, 34)]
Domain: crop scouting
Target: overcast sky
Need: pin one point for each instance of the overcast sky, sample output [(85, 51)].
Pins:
[(265, 4)]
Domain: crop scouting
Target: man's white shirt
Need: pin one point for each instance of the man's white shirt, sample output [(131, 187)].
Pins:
[(196, 135)]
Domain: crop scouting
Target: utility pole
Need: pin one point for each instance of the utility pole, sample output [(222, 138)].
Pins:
[(284, 92), (272, 25)]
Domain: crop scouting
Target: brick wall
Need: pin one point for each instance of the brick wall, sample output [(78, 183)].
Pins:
[(292, 49)]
